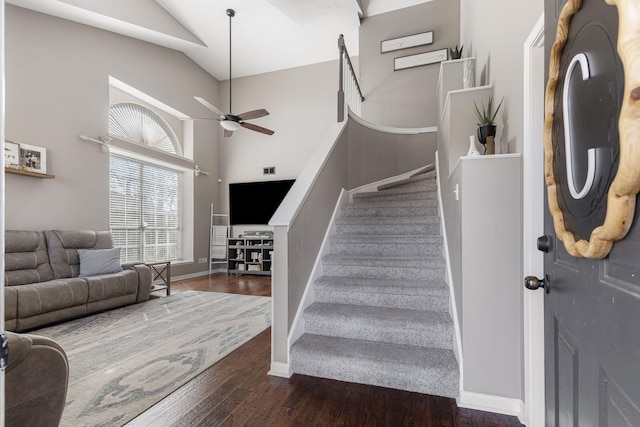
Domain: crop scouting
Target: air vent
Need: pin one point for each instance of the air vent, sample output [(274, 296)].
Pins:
[(269, 170)]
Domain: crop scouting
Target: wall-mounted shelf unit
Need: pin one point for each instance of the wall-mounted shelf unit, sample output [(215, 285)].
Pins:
[(250, 255), (28, 173)]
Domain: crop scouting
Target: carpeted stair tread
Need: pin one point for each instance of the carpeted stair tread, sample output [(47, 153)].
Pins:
[(383, 261), (384, 272), (424, 370), (399, 220), (396, 194), (373, 248), (430, 295), (392, 203), (381, 324), (368, 228), (369, 210), (412, 287), (387, 239), (427, 301)]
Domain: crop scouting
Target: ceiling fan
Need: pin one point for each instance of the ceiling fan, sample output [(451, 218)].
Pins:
[(233, 122)]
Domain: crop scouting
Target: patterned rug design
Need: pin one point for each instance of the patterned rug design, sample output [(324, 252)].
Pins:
[(123, 361)]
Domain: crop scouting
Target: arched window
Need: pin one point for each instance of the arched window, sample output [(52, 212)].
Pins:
[(137, 123), (145, 196)]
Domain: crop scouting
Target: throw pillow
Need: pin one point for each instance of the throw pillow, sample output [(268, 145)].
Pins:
[(99, 261)]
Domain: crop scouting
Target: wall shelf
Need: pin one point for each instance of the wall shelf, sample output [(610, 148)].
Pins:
[(28, 173)]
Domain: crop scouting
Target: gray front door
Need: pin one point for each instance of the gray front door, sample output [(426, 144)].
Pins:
[(592, 310)]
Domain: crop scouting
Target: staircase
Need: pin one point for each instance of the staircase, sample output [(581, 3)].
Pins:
[(380, 314)]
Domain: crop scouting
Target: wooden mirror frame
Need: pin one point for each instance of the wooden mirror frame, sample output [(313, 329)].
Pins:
[(621, 197)]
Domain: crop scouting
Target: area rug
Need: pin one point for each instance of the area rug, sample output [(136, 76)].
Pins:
[(123, 361)]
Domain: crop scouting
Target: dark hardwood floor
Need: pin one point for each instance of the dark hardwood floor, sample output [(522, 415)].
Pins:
[(237, 391)]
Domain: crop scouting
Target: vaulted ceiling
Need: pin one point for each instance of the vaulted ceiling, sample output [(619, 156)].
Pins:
[(267, 35)]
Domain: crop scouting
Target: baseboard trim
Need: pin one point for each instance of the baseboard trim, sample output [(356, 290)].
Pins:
[(198, 274), (279, 369), (491, 403)]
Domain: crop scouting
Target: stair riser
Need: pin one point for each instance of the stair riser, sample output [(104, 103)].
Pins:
[(438, 303), (430, 240), (425, 185), (389, 229), (430, 335), (426, 381), (429, 181), (429, 203), (400, 273), (384, 249), (377, 197), (374, 212)]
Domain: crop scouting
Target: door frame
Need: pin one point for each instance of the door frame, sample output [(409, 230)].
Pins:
[(533, 225)]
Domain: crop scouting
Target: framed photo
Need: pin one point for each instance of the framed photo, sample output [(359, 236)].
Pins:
[(406, 42), (33, 158), (11, 154), (420, 59)]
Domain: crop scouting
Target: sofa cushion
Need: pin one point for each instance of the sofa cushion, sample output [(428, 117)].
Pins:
[(10, 308), (63, 249), (39, 298), (26, 259), (114, 285), (99, 261)]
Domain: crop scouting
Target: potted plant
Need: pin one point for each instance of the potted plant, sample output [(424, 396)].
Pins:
[(456, 53), (486, 118)]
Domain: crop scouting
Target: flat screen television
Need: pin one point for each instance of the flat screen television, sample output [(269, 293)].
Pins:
[(254, 203)]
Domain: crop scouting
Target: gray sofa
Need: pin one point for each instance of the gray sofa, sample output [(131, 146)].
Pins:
[(42, 283), (36, 381)]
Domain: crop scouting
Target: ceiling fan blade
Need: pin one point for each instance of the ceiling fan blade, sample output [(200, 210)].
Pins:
[(257, 128), (209, 105), (228, 133), (253, 114)]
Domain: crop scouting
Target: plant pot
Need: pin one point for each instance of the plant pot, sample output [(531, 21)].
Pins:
[(484, 132)]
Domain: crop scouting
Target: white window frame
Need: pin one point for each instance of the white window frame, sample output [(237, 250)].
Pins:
[(183, 163), (140, 227)]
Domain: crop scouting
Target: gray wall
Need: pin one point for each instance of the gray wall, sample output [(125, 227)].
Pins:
[(499, 54), (57, 88), (375, 155), (405, 98)]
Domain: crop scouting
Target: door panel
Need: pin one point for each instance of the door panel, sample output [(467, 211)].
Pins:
[(592, 312)]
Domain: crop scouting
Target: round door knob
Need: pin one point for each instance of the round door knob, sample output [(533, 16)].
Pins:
[(533, 283)]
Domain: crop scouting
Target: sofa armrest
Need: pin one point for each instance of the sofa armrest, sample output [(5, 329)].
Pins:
[(36, 381), (144, 279)]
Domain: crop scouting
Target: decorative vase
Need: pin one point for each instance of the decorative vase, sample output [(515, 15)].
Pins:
[(469, 73), (473, 148), (485, 131)]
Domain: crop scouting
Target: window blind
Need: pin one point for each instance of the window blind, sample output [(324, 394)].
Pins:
[(144, 210)]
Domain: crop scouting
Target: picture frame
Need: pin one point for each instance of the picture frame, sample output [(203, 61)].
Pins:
[(420, 59), (33, 158), (11, 155), (406, 42)]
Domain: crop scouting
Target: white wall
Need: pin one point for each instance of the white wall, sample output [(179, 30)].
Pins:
[(57, 87), (404, 98), (494, 32)]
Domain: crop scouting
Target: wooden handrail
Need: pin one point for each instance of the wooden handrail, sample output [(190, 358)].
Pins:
[(344, 54)]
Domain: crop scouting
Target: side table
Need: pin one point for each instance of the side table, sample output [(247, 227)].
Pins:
[(161, 270)]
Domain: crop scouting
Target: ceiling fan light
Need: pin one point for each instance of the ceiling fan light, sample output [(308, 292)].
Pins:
[(230, 125)]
